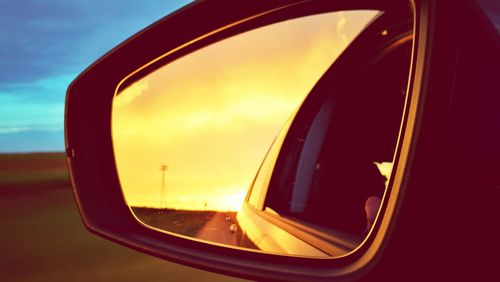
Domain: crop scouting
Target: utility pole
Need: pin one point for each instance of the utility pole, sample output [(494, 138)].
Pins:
[(163, 191)]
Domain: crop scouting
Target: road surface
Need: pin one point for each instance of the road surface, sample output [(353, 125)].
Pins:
[(217, 230)]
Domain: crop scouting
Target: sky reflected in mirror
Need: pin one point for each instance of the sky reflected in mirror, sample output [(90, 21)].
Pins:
[(192, 134)]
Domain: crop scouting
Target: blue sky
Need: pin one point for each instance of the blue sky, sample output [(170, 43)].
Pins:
[(44, 46)]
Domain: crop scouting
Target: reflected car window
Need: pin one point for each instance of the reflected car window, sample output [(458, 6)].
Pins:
[(346, 151)]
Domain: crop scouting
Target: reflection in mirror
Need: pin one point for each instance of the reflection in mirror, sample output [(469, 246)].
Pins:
[(335, 167), (190, 137)]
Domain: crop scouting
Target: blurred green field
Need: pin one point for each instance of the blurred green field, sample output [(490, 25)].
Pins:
[(42, 237)]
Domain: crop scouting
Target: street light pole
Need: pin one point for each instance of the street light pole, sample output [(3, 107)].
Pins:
[(163, 191)]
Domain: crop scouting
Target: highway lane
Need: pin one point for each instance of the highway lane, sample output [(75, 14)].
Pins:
[(217, 230)]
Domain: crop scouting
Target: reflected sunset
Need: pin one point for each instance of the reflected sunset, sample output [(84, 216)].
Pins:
[(191, 135)]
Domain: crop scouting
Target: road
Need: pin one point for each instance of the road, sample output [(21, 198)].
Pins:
[(217, 230)]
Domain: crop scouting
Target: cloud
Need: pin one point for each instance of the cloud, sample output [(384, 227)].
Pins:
[(10, 130), (48, 89), (131, 93), (23, 141), (44, 45), (36, 105), (63, 37), (341, 27)]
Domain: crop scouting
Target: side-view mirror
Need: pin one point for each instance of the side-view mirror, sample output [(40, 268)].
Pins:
[(273, 140), (189, 136)]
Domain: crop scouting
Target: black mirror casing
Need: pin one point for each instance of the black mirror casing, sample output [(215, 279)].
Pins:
[(397, 249)]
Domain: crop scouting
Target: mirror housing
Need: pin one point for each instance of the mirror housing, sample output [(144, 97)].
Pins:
[(90, 149), (99, 196)]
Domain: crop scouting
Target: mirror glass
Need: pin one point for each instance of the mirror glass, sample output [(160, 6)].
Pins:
[(190, 137)]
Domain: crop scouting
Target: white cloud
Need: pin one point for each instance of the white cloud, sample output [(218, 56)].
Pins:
[(131, 93)]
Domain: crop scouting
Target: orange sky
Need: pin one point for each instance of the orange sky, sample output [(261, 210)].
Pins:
[(211, 116)]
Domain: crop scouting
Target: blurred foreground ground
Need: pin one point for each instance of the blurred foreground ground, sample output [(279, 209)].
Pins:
[(43, 239)]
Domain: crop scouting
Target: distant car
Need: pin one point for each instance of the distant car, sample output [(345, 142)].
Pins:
[(388, 171)]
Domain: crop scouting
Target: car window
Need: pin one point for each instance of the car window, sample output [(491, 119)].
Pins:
[(260, 184), (342, 152)]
